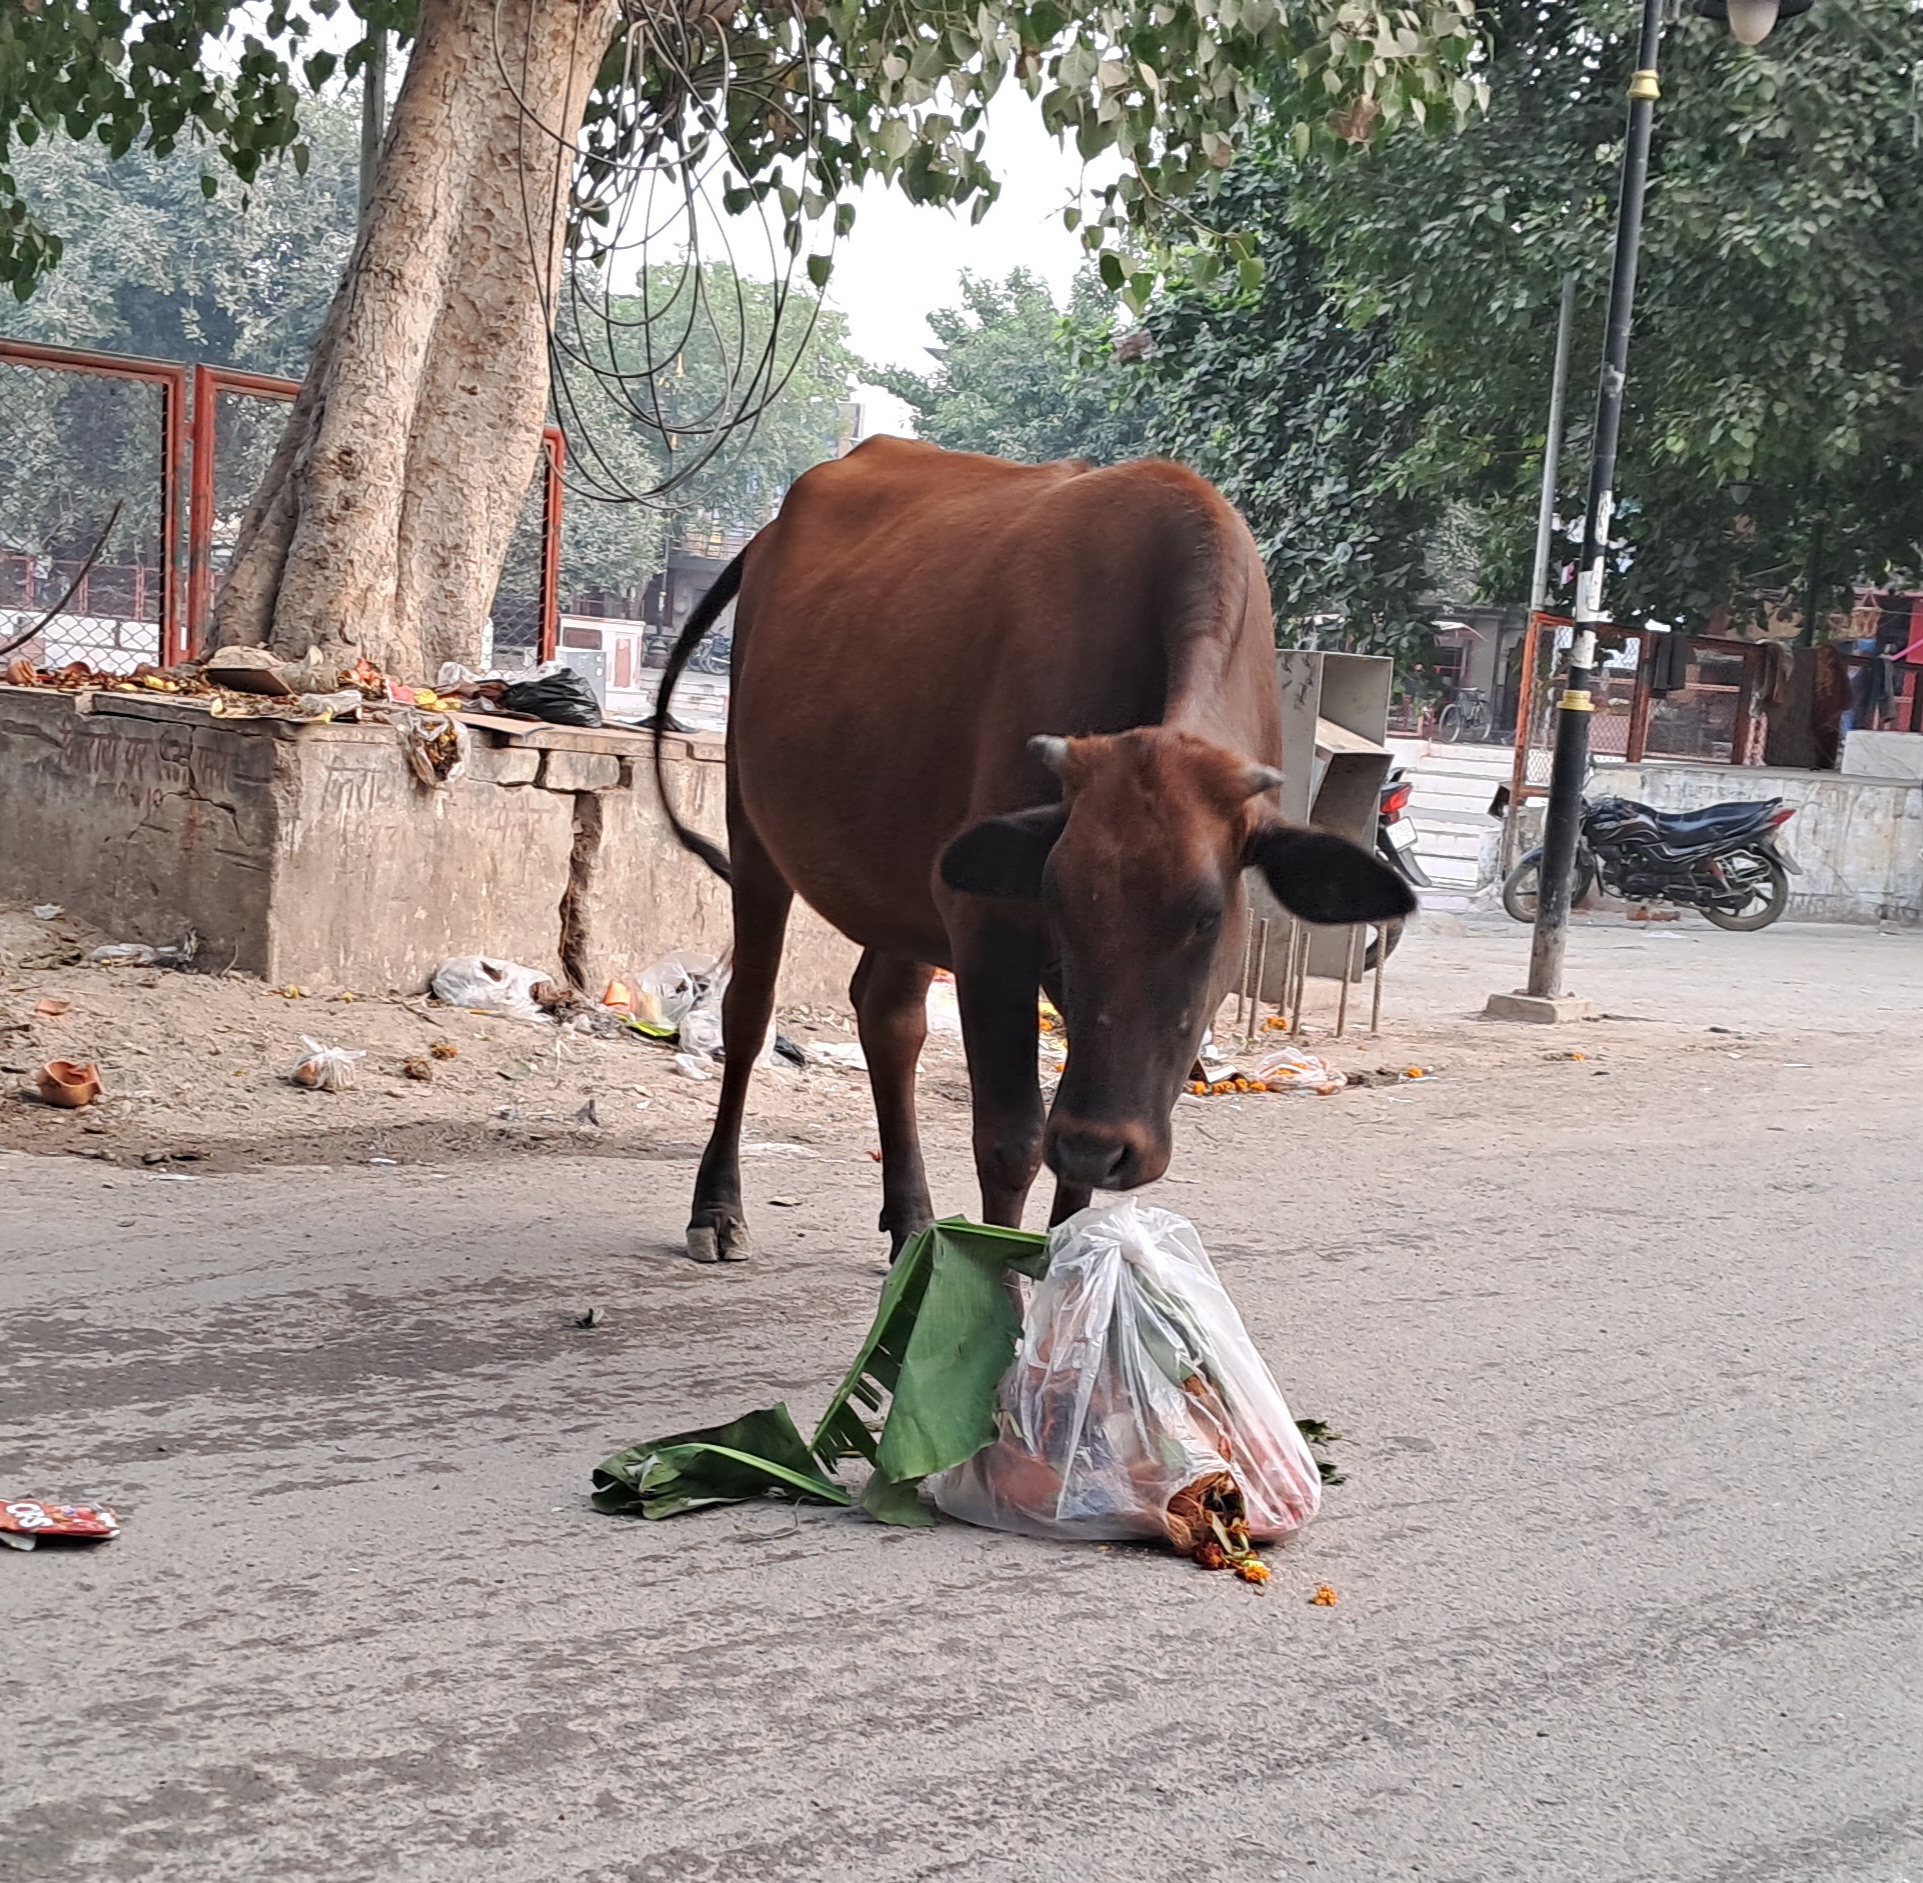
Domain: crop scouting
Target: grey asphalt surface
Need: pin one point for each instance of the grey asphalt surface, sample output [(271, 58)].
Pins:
[(1629, 1554)]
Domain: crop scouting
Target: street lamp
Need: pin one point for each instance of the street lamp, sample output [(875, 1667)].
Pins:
[(1750, 21)]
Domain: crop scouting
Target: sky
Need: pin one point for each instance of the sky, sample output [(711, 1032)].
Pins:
[(902, 260)]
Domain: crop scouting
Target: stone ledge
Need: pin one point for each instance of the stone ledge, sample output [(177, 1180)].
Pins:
[(578, 771)]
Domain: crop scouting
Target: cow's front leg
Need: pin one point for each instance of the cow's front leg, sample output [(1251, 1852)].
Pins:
[(717, 1226), (891, 1005), (998, 972)]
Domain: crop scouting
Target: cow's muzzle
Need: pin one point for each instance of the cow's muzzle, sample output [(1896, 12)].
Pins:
[(1103, 1156)]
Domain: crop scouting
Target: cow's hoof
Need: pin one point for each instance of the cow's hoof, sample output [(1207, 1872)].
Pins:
[(719, 1242)]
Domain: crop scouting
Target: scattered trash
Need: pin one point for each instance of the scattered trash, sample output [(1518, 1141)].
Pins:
[(419, 1067), (325, 1068), (124, 955), (555, 693), (671, 989), (1289, 1069), (172, 1176), (693, 1066), (1647, 914), (1571, 1055), (69, 1083), (482, 985), (51, 1007), (619, 997), (785, 1048), (515, 1069), (784, 1150), (395, 1161), (27, 1522), (593, 1318), (785, 1202), (944, 1010), (589, 1114), (436, 745), (1324, 1596), (1137, 1405), (46, 911), (847, 1055), (247, 670), (444, 1049)]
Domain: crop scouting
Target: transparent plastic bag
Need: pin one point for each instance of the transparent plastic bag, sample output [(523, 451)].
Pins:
[(1293, 1070), (1137, 1404), (681, 994), (485, 986), (325, 1068)]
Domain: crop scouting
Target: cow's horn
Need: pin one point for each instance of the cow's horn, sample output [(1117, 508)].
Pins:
[(1263, 778), (1053, 752)]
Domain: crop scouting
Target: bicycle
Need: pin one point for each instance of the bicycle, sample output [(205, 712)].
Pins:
[(1466, 719)]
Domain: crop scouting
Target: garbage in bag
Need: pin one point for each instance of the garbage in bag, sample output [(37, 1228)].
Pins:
[(552, 691), (681, 995), (485, 986), (325, 1068), (1137, 1405), (559, 695), (1293, 1070)]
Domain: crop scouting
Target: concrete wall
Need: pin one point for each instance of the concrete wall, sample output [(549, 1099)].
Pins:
[(1858, 841), (312, 854)]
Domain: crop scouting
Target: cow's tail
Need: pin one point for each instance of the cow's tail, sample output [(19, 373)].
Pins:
[(726, 585)]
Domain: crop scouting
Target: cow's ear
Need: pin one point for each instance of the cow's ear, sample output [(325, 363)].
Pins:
[(1325, 878), (1004, 856)]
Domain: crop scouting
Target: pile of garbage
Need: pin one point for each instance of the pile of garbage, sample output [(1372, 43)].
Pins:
[(253, 683), (1127, 1401)]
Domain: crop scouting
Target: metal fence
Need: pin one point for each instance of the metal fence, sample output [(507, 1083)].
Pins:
[(181, 450), (90, 468)]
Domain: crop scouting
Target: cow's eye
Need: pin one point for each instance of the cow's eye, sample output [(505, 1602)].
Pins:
[(1208, 925)]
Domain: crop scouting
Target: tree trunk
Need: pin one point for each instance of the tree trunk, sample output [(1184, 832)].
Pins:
[(383, 522)]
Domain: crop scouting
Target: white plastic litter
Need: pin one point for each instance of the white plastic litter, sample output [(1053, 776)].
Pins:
[(845, 1054), (1293, 1070), (325, 1068), (1135, 1385), (45, 911), (485, 986), (694, 1065), (684, 991), (944, 1010)]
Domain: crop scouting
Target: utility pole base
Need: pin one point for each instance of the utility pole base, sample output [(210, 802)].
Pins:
[(1543, 1009)]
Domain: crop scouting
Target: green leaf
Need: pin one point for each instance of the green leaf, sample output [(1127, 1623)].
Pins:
[(747, 1457), (1113, 273), (820, 267)]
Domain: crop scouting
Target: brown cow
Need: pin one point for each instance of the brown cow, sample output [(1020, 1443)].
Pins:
[(915, 634)]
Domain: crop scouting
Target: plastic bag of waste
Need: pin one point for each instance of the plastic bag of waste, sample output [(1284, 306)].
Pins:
[(680, 995), (485, 986), (436, 744), (325, 1068), (560, 696), (1137, 1405), (1293, 1070)]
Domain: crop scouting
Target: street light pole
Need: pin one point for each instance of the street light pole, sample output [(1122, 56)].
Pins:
[(1562, 822)]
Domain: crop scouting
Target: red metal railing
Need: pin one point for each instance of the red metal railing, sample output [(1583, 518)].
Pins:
[(169, 380), (189, 458)]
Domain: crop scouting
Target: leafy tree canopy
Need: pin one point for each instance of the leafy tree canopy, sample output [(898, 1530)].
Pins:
[(1776, 348), (1017, 378), (796, 100)]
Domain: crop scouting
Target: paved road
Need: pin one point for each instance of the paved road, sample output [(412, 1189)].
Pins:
[(1629, 1552)]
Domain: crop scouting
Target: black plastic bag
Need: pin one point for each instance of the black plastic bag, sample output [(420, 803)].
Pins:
[(562, 698)]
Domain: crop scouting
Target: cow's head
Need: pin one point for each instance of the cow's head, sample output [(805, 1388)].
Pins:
[(1139, 875)]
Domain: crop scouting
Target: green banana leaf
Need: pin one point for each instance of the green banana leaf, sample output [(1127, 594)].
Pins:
[(942, 1337), (722, 1464)]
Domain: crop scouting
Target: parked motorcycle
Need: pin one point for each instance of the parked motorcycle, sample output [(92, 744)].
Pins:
[(1395, 844), (1725, 861)]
